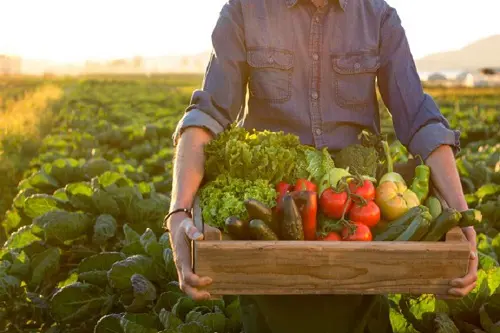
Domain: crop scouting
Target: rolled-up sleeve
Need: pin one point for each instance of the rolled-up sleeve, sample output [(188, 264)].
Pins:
[(222, 96), (418, 122)]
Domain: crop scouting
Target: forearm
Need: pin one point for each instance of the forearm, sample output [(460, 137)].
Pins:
[(188, 169), (445, 177)]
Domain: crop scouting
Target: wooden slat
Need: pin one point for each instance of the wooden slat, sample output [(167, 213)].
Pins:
[(289, 267)]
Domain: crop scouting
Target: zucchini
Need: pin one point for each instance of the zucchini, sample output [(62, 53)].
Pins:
[(470, 218), (258, 211), (448, 219), (291, 226), (415, 231), (259, 230), (396, 227), (434, 206), (237, 228)]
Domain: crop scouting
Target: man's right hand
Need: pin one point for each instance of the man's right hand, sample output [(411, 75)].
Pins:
[(183, 232)]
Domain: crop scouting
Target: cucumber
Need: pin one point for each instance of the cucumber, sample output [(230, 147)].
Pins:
[(291, 226), (396, 227), (258, 211), (448, 219), (434, 206), (237, 228), (259, 230), (415, 231), (470, 218)]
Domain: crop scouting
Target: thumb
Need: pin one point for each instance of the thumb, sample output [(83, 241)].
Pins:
[(190, 230)]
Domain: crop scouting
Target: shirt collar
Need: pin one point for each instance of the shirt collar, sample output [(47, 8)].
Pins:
[(291, 3)]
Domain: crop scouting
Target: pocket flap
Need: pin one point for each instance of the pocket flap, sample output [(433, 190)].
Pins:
[(354, 64), (270, 58)]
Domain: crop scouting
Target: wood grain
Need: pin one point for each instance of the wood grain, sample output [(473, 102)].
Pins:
[(290, 267)]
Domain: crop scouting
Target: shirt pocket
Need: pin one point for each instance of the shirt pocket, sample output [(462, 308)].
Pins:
[(354, 78), (270, 74)]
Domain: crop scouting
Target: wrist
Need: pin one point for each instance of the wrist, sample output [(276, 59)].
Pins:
[(174, 215)]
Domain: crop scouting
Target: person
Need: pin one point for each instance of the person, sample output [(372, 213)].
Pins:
[(311, 68)]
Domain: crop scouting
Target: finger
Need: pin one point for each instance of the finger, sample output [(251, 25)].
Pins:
[(196, 281), (196, 294), (470, 278), (190, 230), (461, 292)]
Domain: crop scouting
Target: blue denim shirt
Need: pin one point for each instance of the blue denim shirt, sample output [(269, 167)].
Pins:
[(312, 71)]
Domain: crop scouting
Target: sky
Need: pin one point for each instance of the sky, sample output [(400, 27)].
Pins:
[(76, 30)]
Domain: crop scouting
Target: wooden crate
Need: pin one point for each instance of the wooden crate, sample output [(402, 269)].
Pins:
[(321, 267)]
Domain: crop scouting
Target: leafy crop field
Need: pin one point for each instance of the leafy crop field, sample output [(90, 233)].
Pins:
[(84, 249)]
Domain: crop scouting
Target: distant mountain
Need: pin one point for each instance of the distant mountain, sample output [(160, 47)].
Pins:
[(482, 53)]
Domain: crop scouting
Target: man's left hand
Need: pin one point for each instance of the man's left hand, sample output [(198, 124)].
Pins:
[(463, 286)]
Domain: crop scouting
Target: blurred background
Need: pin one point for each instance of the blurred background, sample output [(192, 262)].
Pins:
[(452, 41)]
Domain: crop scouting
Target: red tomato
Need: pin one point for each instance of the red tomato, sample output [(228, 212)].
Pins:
[(331, 236), (332, 203), (365, 190), (305, 185), (369, 215), (362, 233)]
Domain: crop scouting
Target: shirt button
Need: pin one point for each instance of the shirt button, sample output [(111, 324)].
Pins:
[(316, 19), (357, 65), (315, 56), (314, 95), (318, 131), (270, 60)]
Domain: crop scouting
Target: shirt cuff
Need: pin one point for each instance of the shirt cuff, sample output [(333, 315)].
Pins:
[(196, 118), (431, 137)]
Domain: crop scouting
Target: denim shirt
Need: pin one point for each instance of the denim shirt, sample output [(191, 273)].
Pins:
[(312, 71)]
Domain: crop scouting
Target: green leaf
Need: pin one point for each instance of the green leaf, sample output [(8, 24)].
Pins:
[(43, 182), (151, 245), (21, 238), (165, 240), (169, 320), (39, 204), (12, 221), (468, 306), (61, 195), (44, 265), (65, 170), (100, 262), (104, 203), (80, 196), (20, 264), (78, 302), (94, 269), (20, 199), (132, 244), (104, 229), (121, 272), (191, 327), (70, 280), (167, 300), (109, 324), (63, 226), (168, 257), (144, 293), (183, 306), (214, 322), (131, 327), (110, 178), (8, 286), (487, 190), (444, 324)]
